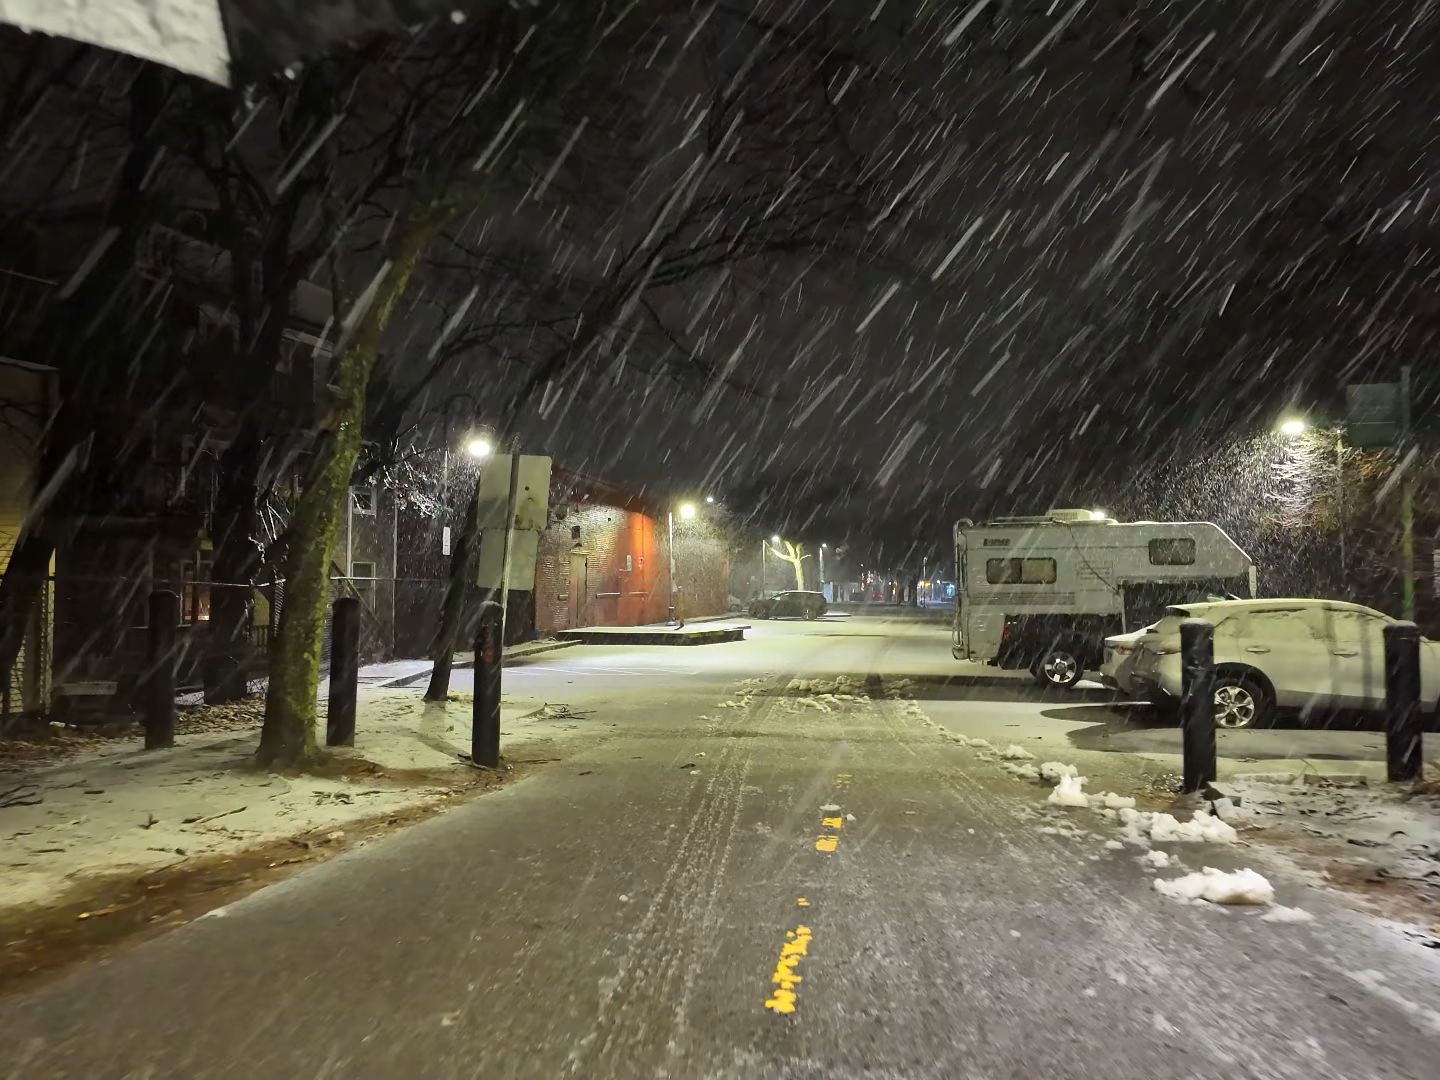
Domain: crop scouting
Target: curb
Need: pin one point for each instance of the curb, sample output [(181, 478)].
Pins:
[(548, 646)]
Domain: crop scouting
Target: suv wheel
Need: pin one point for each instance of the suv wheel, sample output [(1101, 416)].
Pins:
[(1242, 702), (1060, 667)]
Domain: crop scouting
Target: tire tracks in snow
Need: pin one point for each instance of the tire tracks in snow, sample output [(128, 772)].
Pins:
[(677, 934)]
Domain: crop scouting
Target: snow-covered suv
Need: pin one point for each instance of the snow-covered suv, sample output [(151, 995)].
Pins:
[(1269, 654)]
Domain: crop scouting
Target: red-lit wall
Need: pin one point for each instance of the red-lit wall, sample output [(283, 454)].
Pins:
[(617, 560), (621, 571)]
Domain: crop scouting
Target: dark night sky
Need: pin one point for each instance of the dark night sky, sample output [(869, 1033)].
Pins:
[(1172, 215), (1091, 232)]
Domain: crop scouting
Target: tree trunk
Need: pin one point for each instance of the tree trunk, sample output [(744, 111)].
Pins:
[(288, 735), (237, 561), (457, 590)]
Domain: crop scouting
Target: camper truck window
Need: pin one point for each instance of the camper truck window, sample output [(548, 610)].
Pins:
[(1020, 571), (1172, 551)]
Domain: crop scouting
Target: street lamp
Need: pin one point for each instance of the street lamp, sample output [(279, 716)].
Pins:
[(687, 512), (1296, 427), (478, 447), (710, 499)]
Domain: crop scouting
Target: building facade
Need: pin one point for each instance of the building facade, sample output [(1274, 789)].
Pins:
[(27, 400)]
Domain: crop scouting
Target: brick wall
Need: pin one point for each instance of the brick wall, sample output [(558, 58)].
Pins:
[(616, 560), (623, 568)]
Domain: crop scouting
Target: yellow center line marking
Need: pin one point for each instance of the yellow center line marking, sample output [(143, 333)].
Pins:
[(784, 979), (828, 842)]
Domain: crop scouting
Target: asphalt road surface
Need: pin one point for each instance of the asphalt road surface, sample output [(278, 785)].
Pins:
[(628, 910)]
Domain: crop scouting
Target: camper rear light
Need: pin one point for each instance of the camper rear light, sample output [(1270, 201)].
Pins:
[(1123, 650)]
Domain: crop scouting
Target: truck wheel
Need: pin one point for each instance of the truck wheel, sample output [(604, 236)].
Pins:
[(1060, 667)]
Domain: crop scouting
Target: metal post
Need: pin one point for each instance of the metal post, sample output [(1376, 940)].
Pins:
[(1403, 720), (485, 715), (821, 549), (1407, 504), (160, 670), (1197, 703), (670, 544), (344, 671), (507, 552), (1340, 506), (762, 568)]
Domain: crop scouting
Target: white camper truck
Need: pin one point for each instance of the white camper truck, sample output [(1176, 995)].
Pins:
[(1042, 593)]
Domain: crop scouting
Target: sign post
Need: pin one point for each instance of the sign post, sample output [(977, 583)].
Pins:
[(1378, 415), (513, 503)]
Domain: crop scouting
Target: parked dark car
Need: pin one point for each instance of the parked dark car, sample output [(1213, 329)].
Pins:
[(797, 604)]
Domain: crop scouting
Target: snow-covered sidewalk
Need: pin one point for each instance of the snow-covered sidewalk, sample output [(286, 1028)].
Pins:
[(111, 807)]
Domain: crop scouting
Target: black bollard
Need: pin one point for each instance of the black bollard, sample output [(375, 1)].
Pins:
[(1403, 722), (489, 655), (344, 672), (1197, 703), (160, 670)]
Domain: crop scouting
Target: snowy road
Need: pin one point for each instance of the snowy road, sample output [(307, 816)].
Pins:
[(718, 825)]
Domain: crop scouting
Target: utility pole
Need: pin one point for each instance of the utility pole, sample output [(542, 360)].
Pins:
[(1407, 504), (670, 545), (822, 569)]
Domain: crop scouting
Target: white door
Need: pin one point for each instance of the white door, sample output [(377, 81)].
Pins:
[(1289, 648), (1356, 642)]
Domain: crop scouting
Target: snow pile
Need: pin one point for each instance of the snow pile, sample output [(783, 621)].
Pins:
[(1024, 772), (1156, 859), (1280, 913), (842, 686), (1219, 887), (1111, 801), (1054, 770), (1016, 753), (1204, 827), (980, 744), (1069, 792)]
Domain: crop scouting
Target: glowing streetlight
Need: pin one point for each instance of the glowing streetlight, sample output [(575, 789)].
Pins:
[(710, 499), (478, 447), (687, 511), (1293, 428), (775, 539)]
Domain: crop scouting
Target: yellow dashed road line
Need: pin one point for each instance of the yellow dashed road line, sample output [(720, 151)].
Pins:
[(784, 979)]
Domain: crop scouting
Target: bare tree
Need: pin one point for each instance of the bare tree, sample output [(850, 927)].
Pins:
[(794, 555)]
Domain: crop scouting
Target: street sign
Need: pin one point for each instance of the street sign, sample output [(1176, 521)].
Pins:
[(531, 514), (1374, 414)]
